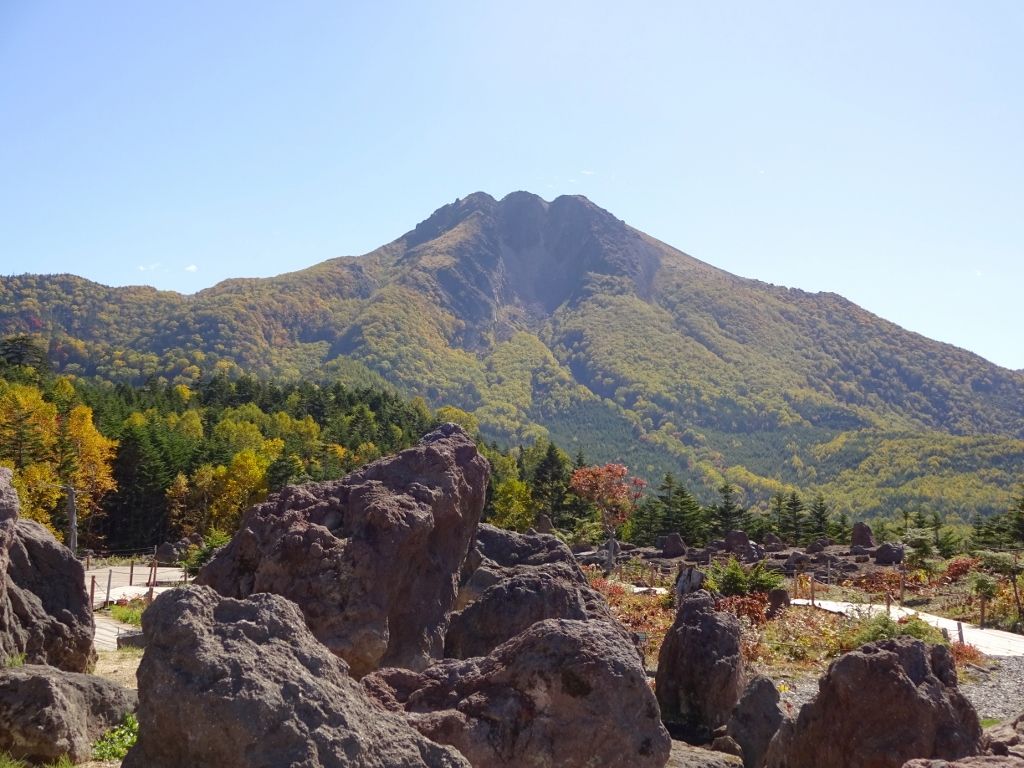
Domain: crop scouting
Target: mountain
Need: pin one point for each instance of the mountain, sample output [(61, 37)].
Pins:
[(557, 319)]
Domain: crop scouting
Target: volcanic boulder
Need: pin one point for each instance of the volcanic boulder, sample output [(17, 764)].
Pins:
[(565, 693), (755, 720), (44, 607), (862, 536), (512, 581), (878, 707), (46, 713), (373, 560), (244, 684), (700, 670)]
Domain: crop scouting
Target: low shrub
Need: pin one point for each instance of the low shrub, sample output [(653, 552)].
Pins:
[(753, 607), (731, 579), (14, 661), (196, 557), (884, 628), (129, 612), (959, 567), (115, 743)]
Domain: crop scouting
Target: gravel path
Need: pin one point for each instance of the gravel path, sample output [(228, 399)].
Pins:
[(996, 695)]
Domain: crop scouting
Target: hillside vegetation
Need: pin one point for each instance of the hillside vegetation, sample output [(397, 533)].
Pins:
[(556, 320)]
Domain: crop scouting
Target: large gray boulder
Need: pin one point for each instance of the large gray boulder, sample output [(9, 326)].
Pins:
[(700, 669), (862, 536), (563, 693), (244, 684), (878, 707), (44, 607), (755, 720), (373, 560), (510, 582), (889, 554), (46, 713)]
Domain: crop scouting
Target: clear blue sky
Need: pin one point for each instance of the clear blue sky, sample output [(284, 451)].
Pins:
[(875, 149)]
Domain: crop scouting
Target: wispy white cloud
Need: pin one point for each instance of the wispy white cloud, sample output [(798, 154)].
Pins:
[(589, 173), (191, 268), (149, 267)]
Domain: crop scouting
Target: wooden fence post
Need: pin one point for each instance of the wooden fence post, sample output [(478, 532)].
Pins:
[(903, 583), (812, 590), (131, 572), (960, 632), (110, 578), (982, 622), (92, 593)]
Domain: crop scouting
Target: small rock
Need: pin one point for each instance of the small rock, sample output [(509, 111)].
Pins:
[(889, 554), (673, 546)]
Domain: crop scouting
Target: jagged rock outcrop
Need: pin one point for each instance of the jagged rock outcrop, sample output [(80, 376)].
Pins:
[(878, 707), (44, 607), (565, 693), (755, 720), (244, 684), (373, 560), (700, 670), (46, 713), (512, 581)]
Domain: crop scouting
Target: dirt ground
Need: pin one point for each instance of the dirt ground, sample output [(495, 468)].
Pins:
[(119, 666)]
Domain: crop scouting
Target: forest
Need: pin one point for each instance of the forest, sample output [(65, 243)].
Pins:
[(153, 462)]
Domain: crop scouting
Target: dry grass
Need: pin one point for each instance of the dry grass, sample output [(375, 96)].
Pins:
[(119, 666)]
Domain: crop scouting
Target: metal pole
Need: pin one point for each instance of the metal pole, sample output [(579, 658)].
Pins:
[(72, 519)]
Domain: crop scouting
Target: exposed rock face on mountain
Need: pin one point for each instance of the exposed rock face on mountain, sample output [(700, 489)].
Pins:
[(46, 713), (557, 315), (700, 670), (565, 693), (372, 560), (243, 684), (517, 581), (879, 707), (44, 608)]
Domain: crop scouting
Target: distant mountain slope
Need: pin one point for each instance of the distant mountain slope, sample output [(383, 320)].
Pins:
[(557, 318)]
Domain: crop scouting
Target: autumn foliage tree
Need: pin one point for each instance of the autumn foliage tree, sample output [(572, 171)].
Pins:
[(611, 489)]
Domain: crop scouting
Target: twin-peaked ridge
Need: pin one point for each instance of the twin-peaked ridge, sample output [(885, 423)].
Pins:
[(557, 318)]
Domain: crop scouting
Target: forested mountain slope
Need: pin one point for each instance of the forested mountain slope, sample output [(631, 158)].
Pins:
[(559, 318)]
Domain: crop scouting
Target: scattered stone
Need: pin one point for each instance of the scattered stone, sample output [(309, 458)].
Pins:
[(880, 706), (131, 640), (795, 562), (755, 720), (46, 713), (244, 684), (889, 554), (44, 607), (862, 535), (565, 693), (1007, 738), (857, 549), (373, 560), (700, 670), (685, 756), (778, 601), (688, 581), (818, 546), (673, 546)]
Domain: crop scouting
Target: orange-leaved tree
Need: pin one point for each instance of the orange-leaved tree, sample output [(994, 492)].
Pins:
[(611, 490)]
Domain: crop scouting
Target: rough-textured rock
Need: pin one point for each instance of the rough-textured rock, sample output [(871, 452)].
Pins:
[(244, 684), (544, 524), (673, 546), (858, 549), (700, 670), (167, 554), (755, 720), (512, 581), (44, 607), (1007, 738), (778, 601), (773, 543), (796, 562), (685, 756), (878, 707), (688, 581), (861, 536), (889, 554), (46, 713), (565, 693), (982, 761), (373, 560)]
